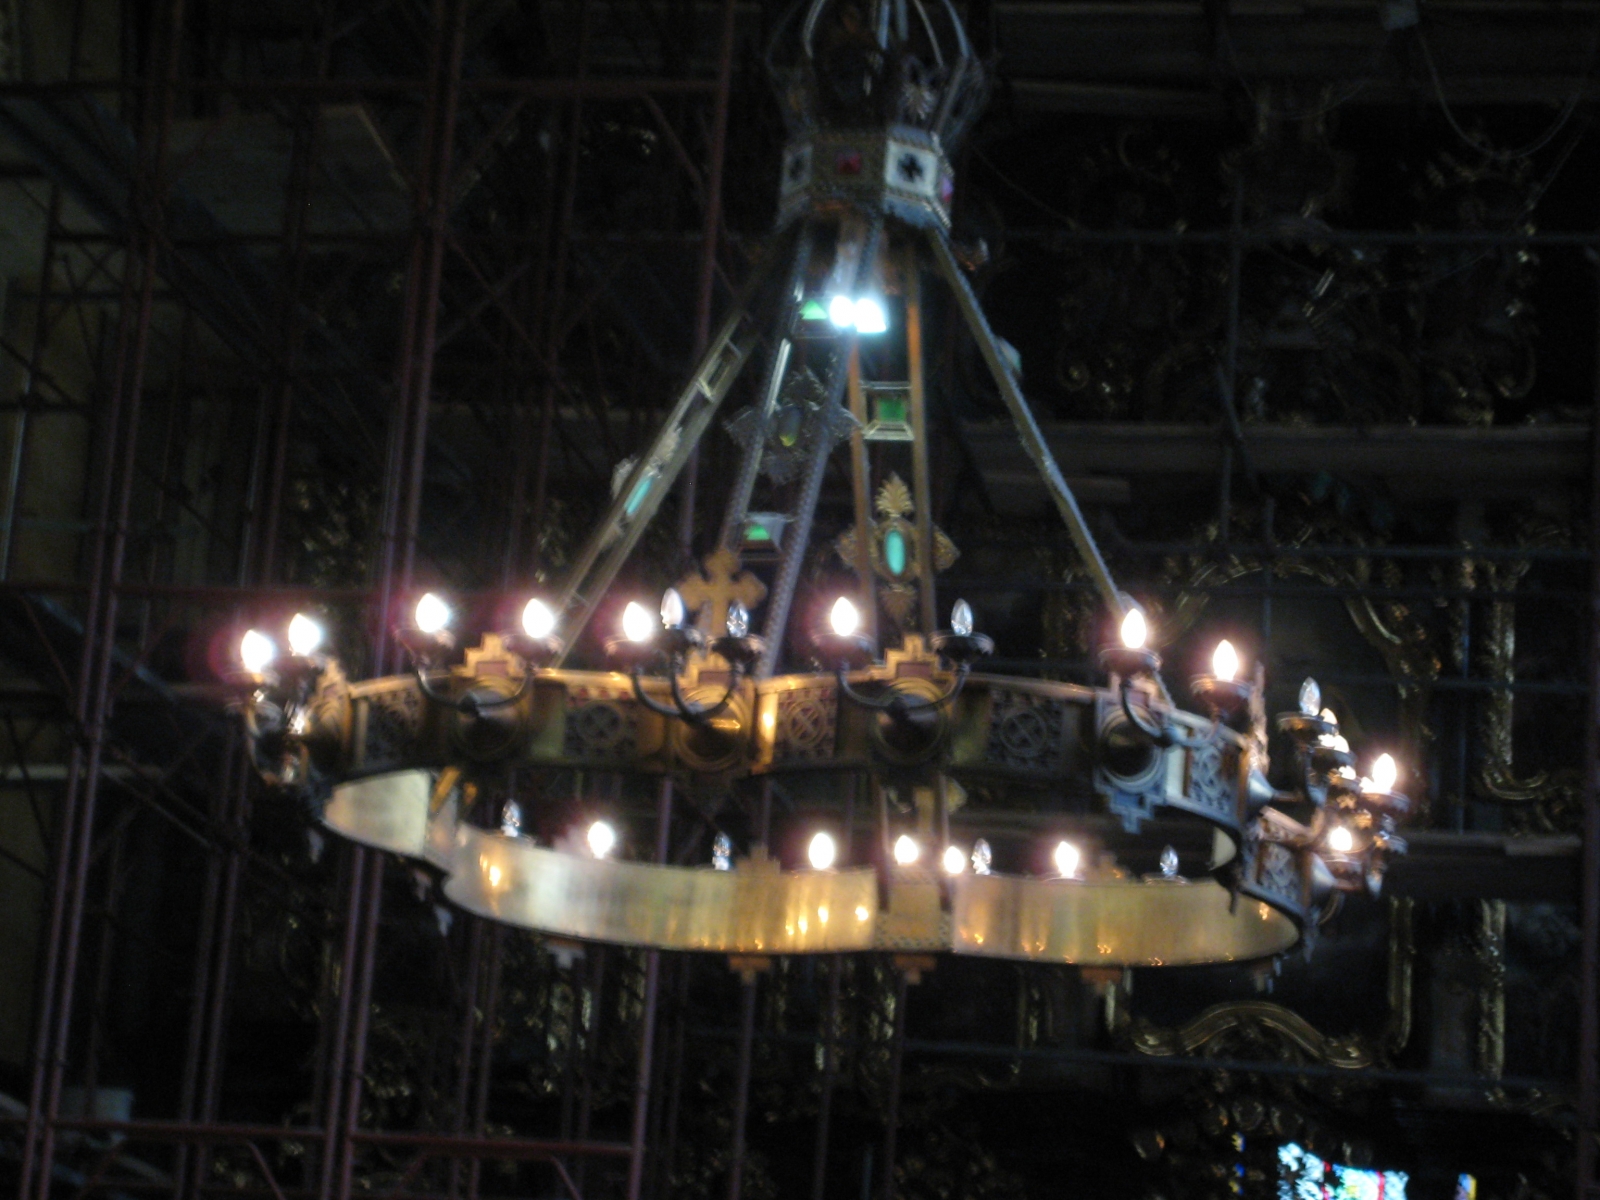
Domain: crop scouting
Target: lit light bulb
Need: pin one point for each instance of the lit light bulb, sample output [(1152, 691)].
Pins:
[(722, 853), (1169, 863), (602, 839), (1384, 773), (1225, 661), (256, 651), (844, 618), (1135, 629), (511, 819), (637, 623), (538, 622), (982, 857), (955, 862), (961, 619), (305, 635), (432, 614), (1067, 858), (1310, 698), (842, 311), (870, 317), (738, 620), (672, 613), (1327, 715), (822, 851), (1341, 840), (906, 850)]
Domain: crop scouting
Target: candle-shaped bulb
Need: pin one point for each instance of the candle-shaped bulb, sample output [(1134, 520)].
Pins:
[(672, 613), (906, 850), (738, 620), (822, 851), (1310, 698), (844, 618), (1169, 863), (961, 619), (256, 651), (1067, 858), (955, 862), (538, 622), (432, 614), (637, 625), (1135, 629), (722, 853), (305, 635), (1225, 661), (602, 839), (1384, 773), (982, 857)]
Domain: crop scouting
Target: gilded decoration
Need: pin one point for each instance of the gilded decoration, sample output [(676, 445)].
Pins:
[(896, 558)]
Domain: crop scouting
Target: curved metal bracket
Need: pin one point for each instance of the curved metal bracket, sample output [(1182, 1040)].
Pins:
[(897, 703), (681, 707), (1165, 733), (468, 702)]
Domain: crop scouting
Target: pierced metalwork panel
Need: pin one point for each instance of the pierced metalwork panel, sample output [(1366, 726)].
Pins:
[(1028, 732), (601, 724), (807, 725), (388, 722), (1210, 787), (1273, 873)]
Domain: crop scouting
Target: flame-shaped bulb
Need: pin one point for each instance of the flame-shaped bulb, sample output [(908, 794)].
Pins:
[(637, 623), (961, 619), (305, 635), (672, 613), (602, 839), (1225, 661), (738, 620), (1384, 773), (982, 857), (1310, 698), (1067, 857), (906, 850), (1135, 630), (844, 618), (432, 614), (256, 651), (955, 862), (822, 851), (538, 622)]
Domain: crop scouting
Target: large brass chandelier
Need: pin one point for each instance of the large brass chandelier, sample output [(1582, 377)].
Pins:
[(406, 763)]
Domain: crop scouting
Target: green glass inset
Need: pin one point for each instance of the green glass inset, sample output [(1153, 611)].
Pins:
[(812, 310), (894, 552), (891, 409), (640, 491), (757, 532), (789, 422)]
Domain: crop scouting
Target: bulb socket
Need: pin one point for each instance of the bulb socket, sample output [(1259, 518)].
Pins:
[(1128, 662)]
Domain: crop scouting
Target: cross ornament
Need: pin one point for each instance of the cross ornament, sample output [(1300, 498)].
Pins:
[(718, 583)]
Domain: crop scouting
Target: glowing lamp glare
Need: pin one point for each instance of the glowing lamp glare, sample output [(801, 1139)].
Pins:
[(1225, 661), (1134, 630), (821, 851)]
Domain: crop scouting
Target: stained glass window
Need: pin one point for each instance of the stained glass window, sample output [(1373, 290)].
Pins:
[(1304, 1176)]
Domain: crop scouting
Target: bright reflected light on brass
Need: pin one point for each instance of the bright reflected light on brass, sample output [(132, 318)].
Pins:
[(432, 614), (538, 622), (822, 851), (305, 635), (1067, 857), (906, 850), (1341, 840), (1225, 661), (637, 623), (1134, 630), (844, 618), (955, 861), (256, 651), (602, 839), (1384, 773)]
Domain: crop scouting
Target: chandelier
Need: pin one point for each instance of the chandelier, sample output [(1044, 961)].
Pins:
[(424, 764)]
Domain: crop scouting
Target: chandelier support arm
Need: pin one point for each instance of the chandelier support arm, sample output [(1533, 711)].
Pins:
[(777, 370), (1033, 440), (796, 539), (897, 703)]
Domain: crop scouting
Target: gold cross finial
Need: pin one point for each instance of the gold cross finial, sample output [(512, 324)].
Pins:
[(718, 584)]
